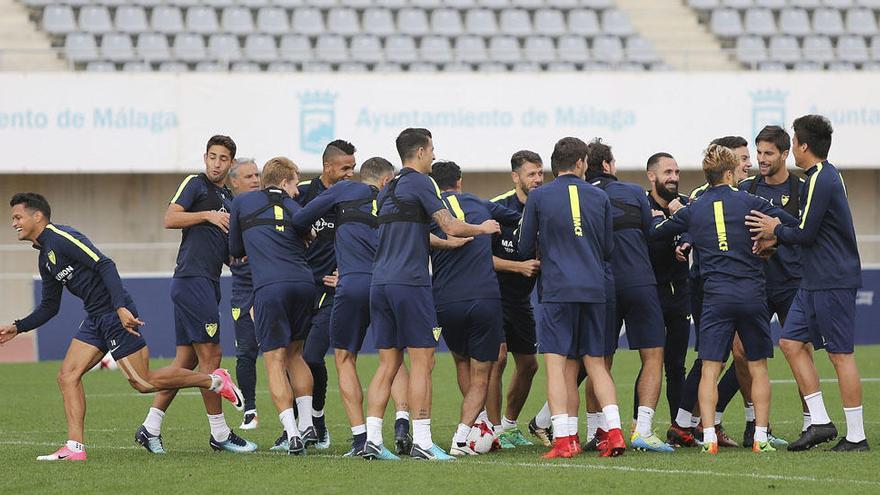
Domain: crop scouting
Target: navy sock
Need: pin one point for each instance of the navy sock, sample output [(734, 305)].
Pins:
[(246, 376), (319, 390), (320, 426), (401, 427), (358, 441)]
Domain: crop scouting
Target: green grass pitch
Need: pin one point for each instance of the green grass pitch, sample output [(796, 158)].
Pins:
[(33, 424)]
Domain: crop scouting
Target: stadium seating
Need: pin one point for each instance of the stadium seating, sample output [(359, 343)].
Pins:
[(348, 35)]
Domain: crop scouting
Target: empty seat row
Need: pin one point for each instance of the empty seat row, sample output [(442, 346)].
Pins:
[(394, 4), (779, 4), (728, 23), (817, 49)]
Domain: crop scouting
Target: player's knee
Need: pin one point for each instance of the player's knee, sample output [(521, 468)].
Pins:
[(529, 367), (68, 378), (790, 347)]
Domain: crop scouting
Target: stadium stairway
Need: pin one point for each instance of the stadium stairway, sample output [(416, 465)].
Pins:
[(22, 46), (675, 32)]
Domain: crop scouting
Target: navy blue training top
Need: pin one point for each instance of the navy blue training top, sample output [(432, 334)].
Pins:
[(355, 241), (467, 273), (320, 253), (830, 252), (569, 224), (515, 288), (275, 251), (69, 259), (204, 246), (667, 269)]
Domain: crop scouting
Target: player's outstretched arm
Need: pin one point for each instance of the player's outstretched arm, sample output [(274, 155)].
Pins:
[(676, 224), (448, 243), (454, 227), (527, 268), (50, 302), (178, 218)]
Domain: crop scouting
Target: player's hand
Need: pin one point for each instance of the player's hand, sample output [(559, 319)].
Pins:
[(681, 251), (332, 279), (7, 333), (529, 268), (490, 227), (129, 322), (218, 218), (761, 225), (657, 213), (674, 206), (456, 242), (764, 247)]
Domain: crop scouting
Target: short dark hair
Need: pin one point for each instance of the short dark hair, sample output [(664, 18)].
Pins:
[(566, 153), (410, 140), (32, 201), (375, 168), (445, 174), (814, 131), (655, 158), (336, 148), (224, 141), (731, 142), (775, 135), (597, 154), (523, 156)]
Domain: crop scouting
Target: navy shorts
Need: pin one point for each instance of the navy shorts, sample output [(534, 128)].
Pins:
[(639, 307), (105, 332), (473, 328), (779, 302), (824, 317), (572, 329), (403, 316), (350, 316), (282, 312), (721, 320), (318, 339), (196, 302), (519, 327), (612, 329)]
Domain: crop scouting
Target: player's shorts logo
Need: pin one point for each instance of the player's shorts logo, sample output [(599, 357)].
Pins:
[(236, 312), (437, 331), (211, 329), (317, 120)]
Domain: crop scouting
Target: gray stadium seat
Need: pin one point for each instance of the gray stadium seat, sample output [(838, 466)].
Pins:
[(875, 48), (460, 4), (412, 21), (841, 66), (260, 48), (379, 22), (202, 20), (515, 22), (317, 67), (794, 22), (435, 49), (751, 50), (631, 67), (480, 22), (770, 4), (871, 66), (392, 4), (153, 47), (598, 4), (131, 19), (402, 49), (852, 49), (189, 47), (561, 4), (583, 22), (491, 67), (322, 4), (784, 49), (808, 66), (211, 67), (861, 21), (295, 48), (527, 4), (100, 67), (526, 67), (367, 48), (37, 3), (58, 19), (737, 4), (280, 67), (504, 49), (772, 67), (237, 20), (166, 19), (470, 49), (828, 22), (494, 4), (307, 21), (550, 22), (539, 49), (726, 23), (458, 67), (81, 47), (760, 22), (352, 67), (421, 67), (343, 21), (427, 4), (117, 47), (561, 67), (806, 4), (95, 19), (217, 3), (704, 4), (838, 4), (446, 22), (871, 4), (245, 67), (253, 4), (640, 50), (173, 67), (386, 68), (818, 49), (288, 4), (272, 20), (615, 22), (356, 4), (331, 48), (573, 49), (136, 67), (608, 49), (224, 47)]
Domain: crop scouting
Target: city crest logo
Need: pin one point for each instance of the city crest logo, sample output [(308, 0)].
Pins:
[(211, 329), (768, 108), (317, 120)]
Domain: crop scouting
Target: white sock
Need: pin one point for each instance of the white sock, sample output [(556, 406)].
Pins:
[(497, 430), (683, 418), (507, 424), (484, 417), (219, 429), (760, 433), (318, 414), (612, 416), (818, 414), (288, 420), (461, 433), (422, 433), (603, 423), (374, 430), (718, 416), (560, 425), (358, 430), (542, 419), (709, 435), (75, 446), (592, 424), (402, 415), (855, 426), (153, 422), (695, 421), (216, 383), (573, 426), (750, 412), (304, 410), (807, 422), (645, 421)]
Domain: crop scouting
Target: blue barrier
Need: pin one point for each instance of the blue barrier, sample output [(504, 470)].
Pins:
[(151, 295)]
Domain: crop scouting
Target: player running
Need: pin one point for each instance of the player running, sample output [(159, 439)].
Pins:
[(69, 259)]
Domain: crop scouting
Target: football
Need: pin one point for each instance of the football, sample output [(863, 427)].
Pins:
[(106, 363), (480, 438)]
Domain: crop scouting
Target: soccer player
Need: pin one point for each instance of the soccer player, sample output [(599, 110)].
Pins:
[(637, 302), (200, 207), (822, 314), (468, 299), (670, 265), (69, 259), (516, 279), (244, 177), (574, 222), (402, 311), (260, 228), (727, 266), (338, 164), (353, 206)]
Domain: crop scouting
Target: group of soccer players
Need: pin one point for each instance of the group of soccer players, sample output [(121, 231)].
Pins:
[(411, 257)]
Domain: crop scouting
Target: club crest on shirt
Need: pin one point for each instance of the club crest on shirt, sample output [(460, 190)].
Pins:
[(236, 312), (211, 329), (437, 331), (51, 256), (784, 199)]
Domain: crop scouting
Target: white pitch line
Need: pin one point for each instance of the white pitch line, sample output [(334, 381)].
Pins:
[(824, 380)]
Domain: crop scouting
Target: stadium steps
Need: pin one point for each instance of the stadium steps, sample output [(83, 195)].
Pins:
[(674, 30), (22, 46)]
